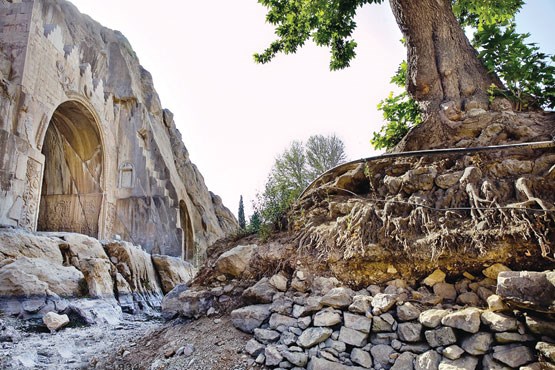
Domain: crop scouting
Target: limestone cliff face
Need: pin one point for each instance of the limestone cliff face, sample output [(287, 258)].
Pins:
[(85, 145)]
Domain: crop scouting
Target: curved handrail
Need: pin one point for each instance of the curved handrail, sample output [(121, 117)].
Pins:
[(532, 145)]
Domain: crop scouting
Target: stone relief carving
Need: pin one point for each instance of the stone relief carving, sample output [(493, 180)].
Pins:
[(109, 220), (31, 194)]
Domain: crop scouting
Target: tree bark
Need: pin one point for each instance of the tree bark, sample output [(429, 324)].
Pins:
[(442, 64)]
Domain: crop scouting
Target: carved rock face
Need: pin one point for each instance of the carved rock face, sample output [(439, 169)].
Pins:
[(88, 147)]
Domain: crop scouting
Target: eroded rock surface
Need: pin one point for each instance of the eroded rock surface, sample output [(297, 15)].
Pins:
[(74, 273), (85, 144)]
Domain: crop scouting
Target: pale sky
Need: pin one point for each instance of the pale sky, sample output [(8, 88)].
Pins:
[(236, 116)]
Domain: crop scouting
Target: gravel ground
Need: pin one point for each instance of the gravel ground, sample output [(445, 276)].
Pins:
[(138, 343), (204, 344), (29, 345)]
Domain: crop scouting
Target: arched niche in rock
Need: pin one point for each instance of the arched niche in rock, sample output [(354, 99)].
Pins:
[(72, 186)]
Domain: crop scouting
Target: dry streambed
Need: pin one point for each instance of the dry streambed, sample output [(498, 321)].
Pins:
[(29, 344)]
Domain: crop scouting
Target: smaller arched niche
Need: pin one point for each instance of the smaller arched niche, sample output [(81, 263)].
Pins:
[(126, 178), (189, 248)]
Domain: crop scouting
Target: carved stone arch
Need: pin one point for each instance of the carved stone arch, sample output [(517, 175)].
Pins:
[(189, 249), (73, 182)]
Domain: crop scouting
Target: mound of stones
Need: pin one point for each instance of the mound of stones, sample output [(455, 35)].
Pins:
[(439, 325), (313, 322)]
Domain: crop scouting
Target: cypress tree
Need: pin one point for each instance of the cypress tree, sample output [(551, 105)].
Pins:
[(241, 214)]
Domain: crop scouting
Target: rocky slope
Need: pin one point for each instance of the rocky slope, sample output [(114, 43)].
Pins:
[(494, 319), (77, 274)]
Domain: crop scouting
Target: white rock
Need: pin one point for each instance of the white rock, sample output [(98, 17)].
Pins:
[(54, 322)]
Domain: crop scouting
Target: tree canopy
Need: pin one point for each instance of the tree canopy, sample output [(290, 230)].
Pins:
[(442, 67), (327, 23), (293, 170), (527, 75)]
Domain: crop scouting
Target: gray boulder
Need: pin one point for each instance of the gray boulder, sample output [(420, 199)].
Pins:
[(250, 317)]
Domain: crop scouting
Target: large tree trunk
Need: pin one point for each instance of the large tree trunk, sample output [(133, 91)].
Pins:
[(443, 66), (445, 75)]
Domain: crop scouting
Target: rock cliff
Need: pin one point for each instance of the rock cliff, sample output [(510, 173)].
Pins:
[(85, 143)]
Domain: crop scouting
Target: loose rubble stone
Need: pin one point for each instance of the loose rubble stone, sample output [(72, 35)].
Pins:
[(432, 318), (504, 338), (322, 285), (528, 289), (338, 298), (266, 336), (477, 344), (311, 305), (382, 302), (493, 271), (317, 363), (261, 292), (235, 261), (374, 289), (446, 291), (185, 302), (381, 355), (463, 363), (540, 327), (379, 342), (54, 322), (336, 345), (427, 361), (353, 337), (313, 336), (273, 356), (405, 361), (362, 358), (250, 317), (282, 304), (440, 337), (254, 348), (278, 321), (498, 322), (496, 304), (453, 352), (417, 348), (407, 312), (488, 363), (513, 355), (296, 358), (484, 293), (279, 281), (172, 271), (327, 317), (546, 350), (383, 338), (357, 322), (409, 331), (435, 277), (537, 366), (383, 323), (361, 304), (468, 299), (467, 320), (304, 322)]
